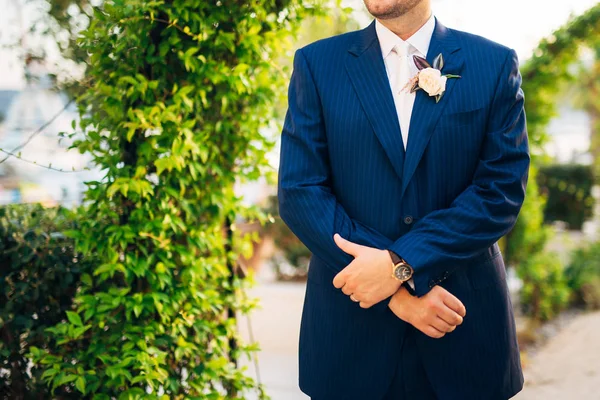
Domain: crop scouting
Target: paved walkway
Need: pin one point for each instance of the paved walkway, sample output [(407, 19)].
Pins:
[(276, 326), (567, 367)]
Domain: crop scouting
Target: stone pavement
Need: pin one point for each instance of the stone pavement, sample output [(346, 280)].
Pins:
[(567, 367), (276, 325)]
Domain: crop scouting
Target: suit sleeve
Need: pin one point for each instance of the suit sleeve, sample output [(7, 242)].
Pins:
[(307, 203), (488, 208)]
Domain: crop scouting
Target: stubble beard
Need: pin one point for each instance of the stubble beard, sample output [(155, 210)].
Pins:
[(396, 10)]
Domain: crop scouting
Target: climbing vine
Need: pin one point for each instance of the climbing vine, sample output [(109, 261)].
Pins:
[(543, 75), (548, 68), (179, 92)]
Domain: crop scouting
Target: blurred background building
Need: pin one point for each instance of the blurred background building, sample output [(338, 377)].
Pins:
[(36, 116)]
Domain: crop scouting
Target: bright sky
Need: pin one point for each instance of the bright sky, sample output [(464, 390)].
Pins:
[(519, 24)]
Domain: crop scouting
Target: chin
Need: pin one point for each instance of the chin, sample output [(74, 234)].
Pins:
[(387, 9)]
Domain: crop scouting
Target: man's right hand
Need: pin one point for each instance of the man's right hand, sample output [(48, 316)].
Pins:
[(435, 314)]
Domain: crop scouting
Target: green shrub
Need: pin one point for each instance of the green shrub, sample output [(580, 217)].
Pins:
[(569, 193), (529, 235), (545, 291), (175, 100), (583, 276), (39, 274)]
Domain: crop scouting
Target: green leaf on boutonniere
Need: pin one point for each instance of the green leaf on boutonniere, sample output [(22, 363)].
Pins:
[(421, 62), (452, 76), (438, 62)]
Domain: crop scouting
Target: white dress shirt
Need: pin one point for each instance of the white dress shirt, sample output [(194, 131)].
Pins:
[(418, 44)]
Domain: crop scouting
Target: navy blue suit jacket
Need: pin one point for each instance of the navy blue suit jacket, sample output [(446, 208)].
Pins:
[(442, 205)]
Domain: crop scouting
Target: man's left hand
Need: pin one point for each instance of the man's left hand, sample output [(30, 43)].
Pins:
[(368, 278)]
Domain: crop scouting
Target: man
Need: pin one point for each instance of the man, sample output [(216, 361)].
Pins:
[(400, 178)]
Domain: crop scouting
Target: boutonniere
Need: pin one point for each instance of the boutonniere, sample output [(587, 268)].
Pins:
[(429, 78)]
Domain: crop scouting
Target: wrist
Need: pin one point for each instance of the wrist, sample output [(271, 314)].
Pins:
[(389, 265), (401, 270), (401, 303)]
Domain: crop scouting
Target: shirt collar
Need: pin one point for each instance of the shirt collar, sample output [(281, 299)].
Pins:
[(420, 39)]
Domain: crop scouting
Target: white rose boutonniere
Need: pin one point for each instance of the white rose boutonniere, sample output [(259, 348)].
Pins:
[(429, 78)]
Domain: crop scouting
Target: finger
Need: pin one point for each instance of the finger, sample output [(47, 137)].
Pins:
[(433, 332), (442, 325), (344, 275), (364, 304), (449, 315), (347, 290), (340, 279), (455, 304), (346, 245)]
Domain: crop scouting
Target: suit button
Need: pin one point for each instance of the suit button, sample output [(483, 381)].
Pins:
[(408, 220)]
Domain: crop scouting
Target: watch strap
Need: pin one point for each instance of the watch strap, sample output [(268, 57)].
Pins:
[(395, 257), (409, 288)]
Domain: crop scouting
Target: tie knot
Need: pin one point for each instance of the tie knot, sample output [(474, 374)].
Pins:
[(402, 49)]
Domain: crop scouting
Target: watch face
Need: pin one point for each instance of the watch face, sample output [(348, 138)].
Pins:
[(403, 272)]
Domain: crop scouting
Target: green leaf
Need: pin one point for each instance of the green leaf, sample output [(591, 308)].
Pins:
[(86, 279), (203, 151), (80, 331), (35, 351), (74, 318), (163, 164), (65, 379), (137, 310), (48, 374), (88, 314), (130, 133), (80, 384)]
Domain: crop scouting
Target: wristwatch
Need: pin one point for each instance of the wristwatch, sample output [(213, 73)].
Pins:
[(401, 270)]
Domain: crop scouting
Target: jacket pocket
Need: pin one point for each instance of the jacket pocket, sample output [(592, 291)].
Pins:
[(487, 272), (460, 118)]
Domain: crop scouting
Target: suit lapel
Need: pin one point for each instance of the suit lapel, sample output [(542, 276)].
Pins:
[(367, 72), (426, 111)]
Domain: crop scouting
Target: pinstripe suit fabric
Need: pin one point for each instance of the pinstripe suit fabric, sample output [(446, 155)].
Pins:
[(442, 205)]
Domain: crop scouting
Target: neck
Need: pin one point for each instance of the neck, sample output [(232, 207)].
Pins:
[(407, 24)]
